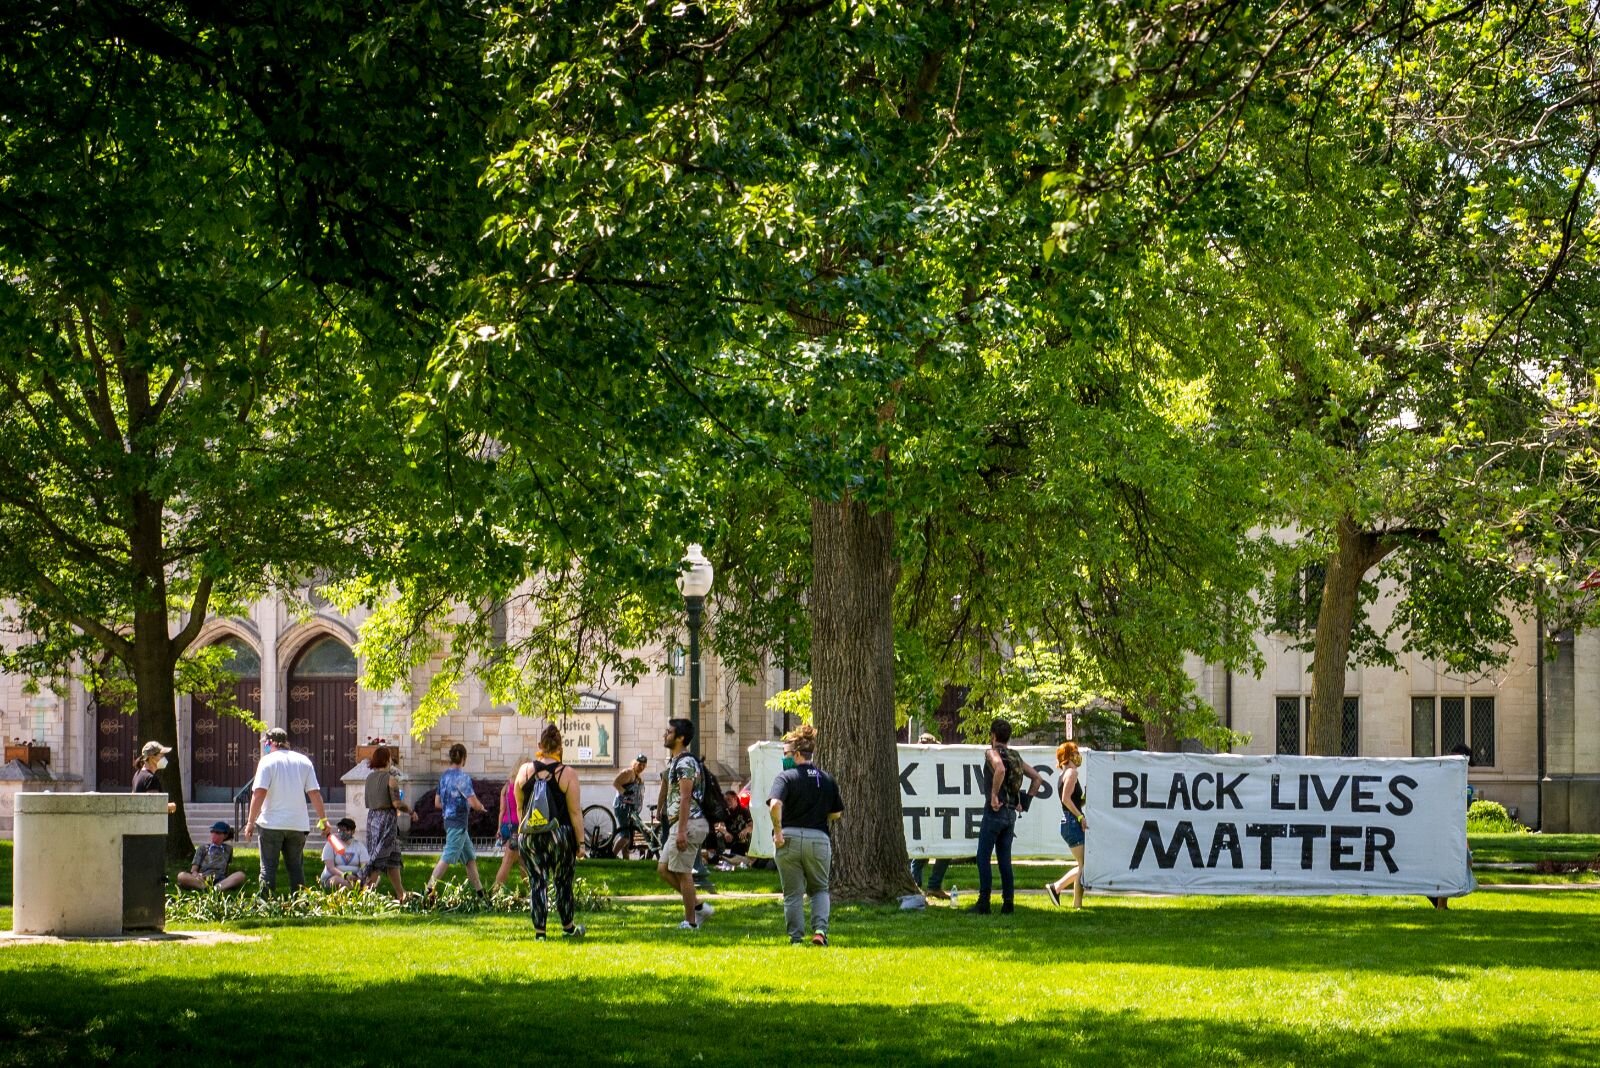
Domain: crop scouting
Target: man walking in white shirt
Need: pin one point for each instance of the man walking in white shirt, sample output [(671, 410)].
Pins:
[(284, 780)]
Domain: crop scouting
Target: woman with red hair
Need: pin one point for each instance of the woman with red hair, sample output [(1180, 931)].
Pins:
[(1073, 823)]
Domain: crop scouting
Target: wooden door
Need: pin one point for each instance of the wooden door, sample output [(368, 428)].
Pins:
[(115, 747), (322, 725), (224, 750)]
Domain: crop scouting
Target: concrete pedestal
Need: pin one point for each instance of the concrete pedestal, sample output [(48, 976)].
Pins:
[(68, 872)]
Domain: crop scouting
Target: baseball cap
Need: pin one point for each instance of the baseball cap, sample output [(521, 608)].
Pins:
[(278, 736), (641, 759), (222, 827), (154, 749)]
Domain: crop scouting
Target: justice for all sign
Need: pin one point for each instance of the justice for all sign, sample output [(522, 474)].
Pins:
[(941, 800), (1189, 823)]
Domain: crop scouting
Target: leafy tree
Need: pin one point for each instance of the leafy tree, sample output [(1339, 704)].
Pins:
[(220, 234), (1412, 244), (860, 284)]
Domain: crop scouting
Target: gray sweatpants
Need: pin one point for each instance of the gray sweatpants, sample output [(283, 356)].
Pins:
[(804, 863)]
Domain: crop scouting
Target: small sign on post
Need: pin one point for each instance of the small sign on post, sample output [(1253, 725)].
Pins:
[(589, 732)]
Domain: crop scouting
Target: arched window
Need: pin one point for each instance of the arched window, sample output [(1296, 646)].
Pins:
[(244, 663), (327, 658)]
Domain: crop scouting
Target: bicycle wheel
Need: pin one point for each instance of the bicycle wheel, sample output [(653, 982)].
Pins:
[(599, 827)]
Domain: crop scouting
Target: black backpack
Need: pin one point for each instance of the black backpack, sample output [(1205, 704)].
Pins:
[(539, 806), (713, 806)]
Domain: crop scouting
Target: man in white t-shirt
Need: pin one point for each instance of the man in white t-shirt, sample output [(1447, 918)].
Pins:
[(284, 780)]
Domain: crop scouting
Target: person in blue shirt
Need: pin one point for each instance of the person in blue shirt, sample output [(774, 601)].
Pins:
[(459, 800)]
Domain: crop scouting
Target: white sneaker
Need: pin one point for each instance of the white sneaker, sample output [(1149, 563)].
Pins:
[(685, 925), (704, 910)]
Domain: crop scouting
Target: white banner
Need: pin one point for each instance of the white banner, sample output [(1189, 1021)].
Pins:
[(1198, 824), (941, 800)]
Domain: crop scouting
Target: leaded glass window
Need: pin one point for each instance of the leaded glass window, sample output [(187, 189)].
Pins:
[(1289, 725), (1483, 731), (1422, 742)]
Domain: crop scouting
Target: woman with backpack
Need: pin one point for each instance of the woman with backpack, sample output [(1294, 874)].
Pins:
[(1073, 823), (548, 840)]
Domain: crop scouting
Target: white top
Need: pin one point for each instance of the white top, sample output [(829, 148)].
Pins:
[(287, 777), (352, 859)]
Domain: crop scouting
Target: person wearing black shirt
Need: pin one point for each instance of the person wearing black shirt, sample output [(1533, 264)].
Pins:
[(1003, 771), (804, 801), (1073, 823), (152, 758)]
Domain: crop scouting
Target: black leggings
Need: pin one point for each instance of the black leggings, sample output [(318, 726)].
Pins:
[(547, 860)]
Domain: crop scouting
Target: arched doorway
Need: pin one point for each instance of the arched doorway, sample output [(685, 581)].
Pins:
[(322, 711), (222, 748)]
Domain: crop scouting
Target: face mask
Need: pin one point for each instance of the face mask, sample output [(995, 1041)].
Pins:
[(161, 763)]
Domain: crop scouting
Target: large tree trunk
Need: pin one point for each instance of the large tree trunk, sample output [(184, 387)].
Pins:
[(852, 665), (158, 718), (1355, 553)]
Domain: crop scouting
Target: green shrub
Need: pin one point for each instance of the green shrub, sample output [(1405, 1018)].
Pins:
[(211, 906), (1491, 817)]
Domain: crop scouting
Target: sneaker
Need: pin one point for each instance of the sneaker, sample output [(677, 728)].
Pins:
[(797, 941), (577, 931), (938, 895), (819, 939), (704, 910), (538, 936), (1055, 895), (685, 925)]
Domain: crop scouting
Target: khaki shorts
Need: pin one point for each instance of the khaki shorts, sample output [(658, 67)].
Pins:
[(678, 860)]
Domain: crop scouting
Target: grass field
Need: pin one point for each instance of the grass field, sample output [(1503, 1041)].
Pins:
[(1502, 977)]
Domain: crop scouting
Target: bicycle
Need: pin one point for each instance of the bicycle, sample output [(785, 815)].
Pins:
[(640, 838)]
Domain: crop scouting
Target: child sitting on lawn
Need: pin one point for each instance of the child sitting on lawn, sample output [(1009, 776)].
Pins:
[(211, 860), (342, 868)]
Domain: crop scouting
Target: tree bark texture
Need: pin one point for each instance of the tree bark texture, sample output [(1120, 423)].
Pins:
[(852, 665), (1355, 553), (157, 703)]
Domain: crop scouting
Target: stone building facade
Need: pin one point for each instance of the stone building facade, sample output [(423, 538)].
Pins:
[(1533, 725), (301, 672)]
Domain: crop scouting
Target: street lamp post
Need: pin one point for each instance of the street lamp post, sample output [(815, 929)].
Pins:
[(694, 582)]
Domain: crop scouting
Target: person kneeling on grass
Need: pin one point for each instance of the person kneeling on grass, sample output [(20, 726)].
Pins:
[(459, 800), (211, 860), (343, 858)]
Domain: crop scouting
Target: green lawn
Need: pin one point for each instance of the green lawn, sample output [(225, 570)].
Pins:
[(1340, 981), (1507, 977), (1528, 848)]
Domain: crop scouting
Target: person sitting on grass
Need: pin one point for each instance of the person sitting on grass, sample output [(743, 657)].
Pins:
[(728, 844), (343, 863), (459, 799), (211, 860)]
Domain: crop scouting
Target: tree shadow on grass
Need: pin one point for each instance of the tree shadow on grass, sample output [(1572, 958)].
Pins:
[(1398, 937), (72, 1015)]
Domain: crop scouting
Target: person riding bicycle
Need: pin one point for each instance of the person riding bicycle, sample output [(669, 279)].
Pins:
[(628, 805)]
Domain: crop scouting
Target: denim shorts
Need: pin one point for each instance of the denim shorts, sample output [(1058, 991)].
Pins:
[(508, 833), (1071, 830), (457, 847)]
